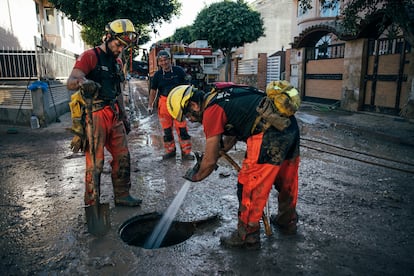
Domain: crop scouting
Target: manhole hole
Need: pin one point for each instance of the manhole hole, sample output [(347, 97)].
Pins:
[(136, 230)]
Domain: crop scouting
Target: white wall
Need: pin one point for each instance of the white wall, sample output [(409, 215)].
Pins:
[(18, 27), (277, 21)]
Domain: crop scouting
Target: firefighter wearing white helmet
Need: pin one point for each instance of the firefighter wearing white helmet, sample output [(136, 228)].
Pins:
[(98, 75), (229, 114)]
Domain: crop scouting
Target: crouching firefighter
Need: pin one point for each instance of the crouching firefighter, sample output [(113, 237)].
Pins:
[(97, 74), (230, 113)]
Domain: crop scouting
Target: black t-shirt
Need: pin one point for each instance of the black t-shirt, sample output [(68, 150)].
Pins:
[(165, 81)]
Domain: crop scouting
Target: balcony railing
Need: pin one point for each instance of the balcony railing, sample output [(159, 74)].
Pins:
[(42, 63), (325, 52)]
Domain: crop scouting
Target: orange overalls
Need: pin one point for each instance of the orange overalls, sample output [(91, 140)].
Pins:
[(167, 122), (108, 132), (256, 180)]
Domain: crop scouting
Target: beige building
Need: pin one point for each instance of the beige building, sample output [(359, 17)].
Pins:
[(367, 71), (277, 19), (37, 43), (22, 22)]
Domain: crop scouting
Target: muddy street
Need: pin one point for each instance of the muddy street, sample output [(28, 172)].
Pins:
[(355, 217)]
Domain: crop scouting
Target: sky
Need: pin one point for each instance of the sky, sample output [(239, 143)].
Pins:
[(189, 11)]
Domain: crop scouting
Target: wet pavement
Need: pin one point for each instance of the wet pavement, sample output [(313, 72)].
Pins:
[(355, 218)]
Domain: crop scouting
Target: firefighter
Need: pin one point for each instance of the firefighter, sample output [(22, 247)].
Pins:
[(272, 154), (165, 79), (98, 74)]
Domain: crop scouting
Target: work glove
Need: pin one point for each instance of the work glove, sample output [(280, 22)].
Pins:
[(191, 172), (77, 144), (90, 89)]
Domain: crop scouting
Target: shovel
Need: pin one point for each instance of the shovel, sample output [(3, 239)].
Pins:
[(97, 216)]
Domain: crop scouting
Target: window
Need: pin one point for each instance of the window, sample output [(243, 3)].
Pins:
[(322, 50), (330, 8), (209, 60), (49, 15), (39, 23), (302, 11)]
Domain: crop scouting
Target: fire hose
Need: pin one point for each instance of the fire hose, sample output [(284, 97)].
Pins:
[(265, 217)]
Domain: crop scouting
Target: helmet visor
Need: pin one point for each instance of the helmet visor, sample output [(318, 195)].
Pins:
[(127, 38)]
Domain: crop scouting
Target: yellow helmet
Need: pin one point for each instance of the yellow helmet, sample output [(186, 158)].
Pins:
[(123, 30), (178, 99)]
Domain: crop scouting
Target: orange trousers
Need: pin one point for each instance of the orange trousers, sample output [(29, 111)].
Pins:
[(167, 122), (109, 133), (256, 181)]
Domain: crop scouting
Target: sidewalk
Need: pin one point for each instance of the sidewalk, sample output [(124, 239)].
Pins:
[(391, 128)]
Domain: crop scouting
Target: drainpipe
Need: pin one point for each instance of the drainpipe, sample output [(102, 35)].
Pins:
[(10, 18)]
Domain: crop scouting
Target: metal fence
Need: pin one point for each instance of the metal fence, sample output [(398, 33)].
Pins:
[(42, 63), (19, 68), (274, 65), (387, 46), (247, 67), (325, 52), (17, 64)]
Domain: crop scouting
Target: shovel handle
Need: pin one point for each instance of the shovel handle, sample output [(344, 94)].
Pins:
[(230, 160), (268, 230), (90, 133)]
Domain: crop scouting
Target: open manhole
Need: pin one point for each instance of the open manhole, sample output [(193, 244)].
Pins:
[(136, 230)]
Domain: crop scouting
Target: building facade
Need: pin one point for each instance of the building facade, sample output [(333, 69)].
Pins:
[(23, 21), (38, 43), (368, 71)]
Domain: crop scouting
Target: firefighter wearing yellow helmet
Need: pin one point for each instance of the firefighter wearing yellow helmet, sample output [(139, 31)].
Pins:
[(229, 114), (122, 30), (98, 75)]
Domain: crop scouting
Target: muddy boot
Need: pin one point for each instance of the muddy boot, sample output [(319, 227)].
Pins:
[(168, 155), (127, 200), (286, 227), (188, 156), (243, 237), (233, 240)]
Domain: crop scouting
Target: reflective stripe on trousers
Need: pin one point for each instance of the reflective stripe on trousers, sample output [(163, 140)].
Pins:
[(167, 121)]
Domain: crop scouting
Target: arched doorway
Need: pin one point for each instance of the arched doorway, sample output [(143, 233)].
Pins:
[(323, 64)]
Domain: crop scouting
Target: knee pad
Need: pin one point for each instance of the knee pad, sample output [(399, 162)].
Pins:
[(168, 135)]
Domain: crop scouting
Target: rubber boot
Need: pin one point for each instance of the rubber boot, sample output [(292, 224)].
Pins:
[(286, 224), (247, 237), (127, 200)]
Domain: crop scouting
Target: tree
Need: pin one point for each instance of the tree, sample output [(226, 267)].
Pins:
[(226, 25), (356, 13), (184, 35), (95, 14)]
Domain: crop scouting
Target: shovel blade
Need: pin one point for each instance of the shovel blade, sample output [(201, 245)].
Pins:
[(97, 219)]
